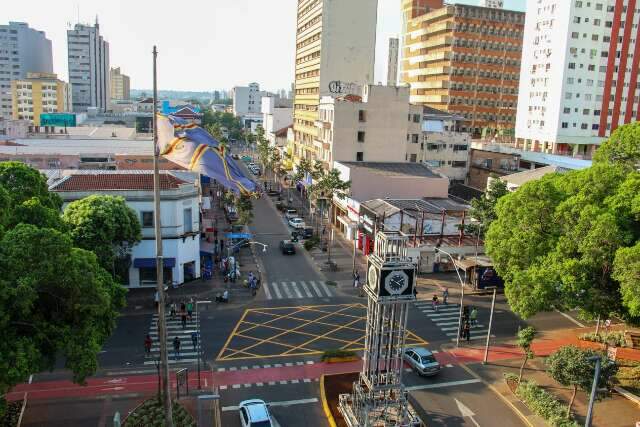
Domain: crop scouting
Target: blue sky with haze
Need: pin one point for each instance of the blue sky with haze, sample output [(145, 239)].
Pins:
[(211, 44)]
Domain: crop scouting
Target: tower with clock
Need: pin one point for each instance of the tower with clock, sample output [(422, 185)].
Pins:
[(378, 397)]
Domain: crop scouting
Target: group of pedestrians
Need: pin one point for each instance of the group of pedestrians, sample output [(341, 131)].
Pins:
[(186, 312), (177, 344), (435, 302), (252, 283), (469, 320)]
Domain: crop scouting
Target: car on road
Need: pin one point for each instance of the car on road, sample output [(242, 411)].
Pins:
[(306, 233), (235, 157), (255, 413), (287, 247), (291, 213), (422, 361), (247, 159), (297, 223)]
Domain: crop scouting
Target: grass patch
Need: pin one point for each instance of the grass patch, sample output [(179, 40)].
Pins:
[(629, 377), (311, 243), (150, 413), (544, 404), (337, 353)]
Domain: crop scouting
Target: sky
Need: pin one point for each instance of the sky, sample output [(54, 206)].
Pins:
[(210, 44)]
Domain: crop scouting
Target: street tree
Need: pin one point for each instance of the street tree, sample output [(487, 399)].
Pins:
[(483, 208), (525, 339), (328, 186), (32, 211), (626, 270), (22, 182), (303, 169), (56, 302), (622, 147), (106, 226), (555, 240), (571, 367), (245, 209)]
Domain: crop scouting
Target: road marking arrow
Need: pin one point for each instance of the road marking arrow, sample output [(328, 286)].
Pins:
[(466, 412), (112, 388), (117, 381)]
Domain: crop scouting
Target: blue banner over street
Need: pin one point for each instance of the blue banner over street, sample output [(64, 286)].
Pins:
[(190, 146)]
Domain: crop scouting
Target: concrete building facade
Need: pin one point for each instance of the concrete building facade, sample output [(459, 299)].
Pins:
[(88, 56), (579, 78), (277, 119), (376, 126), (392, 66), (39, 93), (335, 52), (247, 99), (120, 85), (22, 50), (465, 60), (496, 4)]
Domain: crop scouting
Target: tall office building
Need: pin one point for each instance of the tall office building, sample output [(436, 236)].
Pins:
[(496, 4), (247, 99), (335, 52), (120, 85), (579, 78), (39, 93), (466, 60), (392, 66), (88, 55), (22, 50)]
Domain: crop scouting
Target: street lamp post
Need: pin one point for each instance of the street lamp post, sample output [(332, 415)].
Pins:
[(199, 346), (461, 293), (594, 388), (493, 305)]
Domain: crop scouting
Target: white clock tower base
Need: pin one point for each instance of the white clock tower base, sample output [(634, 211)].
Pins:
[(378, 398)]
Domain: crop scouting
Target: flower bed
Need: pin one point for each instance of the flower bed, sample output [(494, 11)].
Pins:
[(337, 356), (150, 413), (614, 337), (541, 402)]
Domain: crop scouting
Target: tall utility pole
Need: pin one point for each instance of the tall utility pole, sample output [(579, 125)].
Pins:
[(162, 325)]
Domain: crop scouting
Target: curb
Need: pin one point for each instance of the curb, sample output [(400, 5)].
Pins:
[(628, 395), (325, 404), (522, 416)]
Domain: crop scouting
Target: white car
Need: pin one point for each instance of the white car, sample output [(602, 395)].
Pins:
[(297, 223), (291, 213), (255, 413)]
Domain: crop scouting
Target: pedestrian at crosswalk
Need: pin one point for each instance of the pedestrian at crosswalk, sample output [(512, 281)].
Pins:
[(148, 342), (176, 347), (445, 295)]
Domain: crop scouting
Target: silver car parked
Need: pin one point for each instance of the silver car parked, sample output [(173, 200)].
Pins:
[(422, 361)]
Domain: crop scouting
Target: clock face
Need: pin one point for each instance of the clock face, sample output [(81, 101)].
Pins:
[(372, 277), (396, 282)]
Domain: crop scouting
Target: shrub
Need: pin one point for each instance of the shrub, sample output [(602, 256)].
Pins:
[(629, 377), (337, 353), (150, 413), (311, 243), (544, 404), (614, 337)]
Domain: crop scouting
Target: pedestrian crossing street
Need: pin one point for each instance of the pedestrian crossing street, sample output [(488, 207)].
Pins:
[(447, 317), (174, 328), (297, 290)]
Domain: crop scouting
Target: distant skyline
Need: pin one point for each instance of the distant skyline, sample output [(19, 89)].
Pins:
[(211, 45)]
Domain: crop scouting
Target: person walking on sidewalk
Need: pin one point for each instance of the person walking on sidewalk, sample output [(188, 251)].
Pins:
[(466, 331), (474, 316), (445, 296), (356, 279), (194, 340), (173, 310), (190, 310), (176, 347), (183, 319), (434, 303), (148, 342)]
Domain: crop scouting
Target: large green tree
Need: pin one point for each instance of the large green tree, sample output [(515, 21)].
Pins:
[(555, 240), (104, 225), (55, 301), (483, 209), (622, 147), (24, 183)]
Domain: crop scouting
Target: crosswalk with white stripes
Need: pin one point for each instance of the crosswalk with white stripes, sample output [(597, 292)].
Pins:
[(446, 319), (174, 329), (297, 290)]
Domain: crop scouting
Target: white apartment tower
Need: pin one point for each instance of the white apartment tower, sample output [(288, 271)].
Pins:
[(335, 52), (579, 74), (496, 4), (88, 55), (22, 50), (247, 99), (392, 66)]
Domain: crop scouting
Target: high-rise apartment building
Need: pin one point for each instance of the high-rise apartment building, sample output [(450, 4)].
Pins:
[(392, 66), (335, 52), (88, 55), (39, 93), (120, 85), (247, 99), (466, 60), (496, 4), (22, 50), (579, 78)]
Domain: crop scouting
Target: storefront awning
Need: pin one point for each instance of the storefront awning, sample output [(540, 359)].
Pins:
[(151, 262), (346, 221)]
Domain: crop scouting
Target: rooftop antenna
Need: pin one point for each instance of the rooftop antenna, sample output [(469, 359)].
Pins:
[(97, 25)]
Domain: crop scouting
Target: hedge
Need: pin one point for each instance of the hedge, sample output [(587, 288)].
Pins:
[(544, 404), (337, 353)]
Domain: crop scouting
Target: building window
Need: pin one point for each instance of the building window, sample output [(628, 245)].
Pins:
[(565, 125), (188, 221), (414, 158), (458, 164), (362, 116), (147, 219), (460, 147), (416, 118), (359, 156), (414, 138), (360, 136)]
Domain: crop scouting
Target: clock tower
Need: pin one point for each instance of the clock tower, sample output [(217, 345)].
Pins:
[(378, 397)]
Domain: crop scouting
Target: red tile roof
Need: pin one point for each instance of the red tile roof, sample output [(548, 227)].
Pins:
[(283, 132), (122, 181)]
